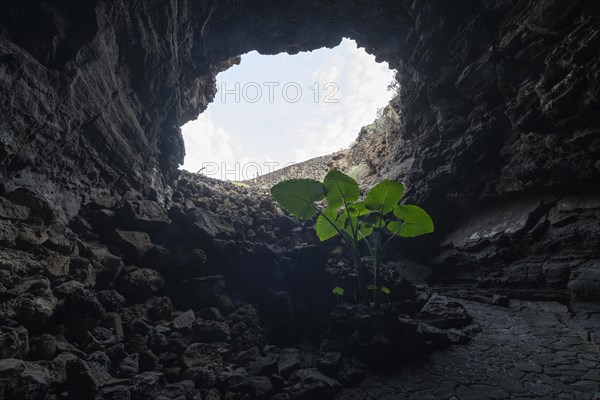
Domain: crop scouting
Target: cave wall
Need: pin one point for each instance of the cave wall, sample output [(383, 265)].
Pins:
[(497, 103), (500, 141)]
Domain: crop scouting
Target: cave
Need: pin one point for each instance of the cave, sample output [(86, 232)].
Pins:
[(122, 277)]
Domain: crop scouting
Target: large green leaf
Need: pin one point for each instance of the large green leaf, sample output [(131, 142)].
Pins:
[(325, 229), (358, 208), (340, 189), (297, 196), (364, 231), (374, 219), (414, 221), (384, 196)]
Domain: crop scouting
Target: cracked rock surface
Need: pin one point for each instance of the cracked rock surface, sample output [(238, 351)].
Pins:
[(523, 352)]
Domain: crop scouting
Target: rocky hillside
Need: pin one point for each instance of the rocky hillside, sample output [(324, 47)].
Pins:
[(220, 295)]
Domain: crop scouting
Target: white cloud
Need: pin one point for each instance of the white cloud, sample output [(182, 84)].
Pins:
[(281, 132), (206, 142), (363, 89)]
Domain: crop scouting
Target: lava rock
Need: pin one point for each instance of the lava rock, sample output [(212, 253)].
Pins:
[(260, 387), (329, 363), (111, 300), (83, 308), (134, 244), (129, 366), (160, 308), (10, 210), (211, 331), (440, 312), (141, 283), (23, 380), (350, 375), (14, 342), (183, 390), (31, 236), (143, 215), (61, 239), (290, 360), (184, 321), (8, 234), (56, 265), (204, 361), (246, 331), (84, 378), (42, 347), (310, 384)]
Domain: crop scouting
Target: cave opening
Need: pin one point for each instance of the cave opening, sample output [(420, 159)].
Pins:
[(274, 111)]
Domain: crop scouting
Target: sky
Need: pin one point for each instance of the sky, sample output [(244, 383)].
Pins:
[(274, 110)]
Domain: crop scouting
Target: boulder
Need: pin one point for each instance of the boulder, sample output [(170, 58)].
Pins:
[(8, 233), (204, 361), (129, 366), (177, 391), (584, 282), (290, 360), (83, 308), (246, 331), (85, 378), (134, 244), (310, 384), (37, 205), (261, 387), (141, 282), (23, 380), (184, 320), (10, 210), (56, 265), (14, 342), (42, 347), (31, 236), (147, 385), (206, 225), (211, 331), (159, 308), (111, 300), (35, 303), (60, 239), (440, 312), (143, 215), (329, 363)]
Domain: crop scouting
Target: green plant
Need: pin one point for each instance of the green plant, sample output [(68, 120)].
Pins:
[(240, 184), (338, 291), (355, 221)]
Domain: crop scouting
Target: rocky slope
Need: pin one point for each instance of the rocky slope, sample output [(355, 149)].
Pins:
[(131, 300)]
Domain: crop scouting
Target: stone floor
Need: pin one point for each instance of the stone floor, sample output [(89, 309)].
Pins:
[(528, 351)]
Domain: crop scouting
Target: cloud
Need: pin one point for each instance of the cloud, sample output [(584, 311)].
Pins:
[(205, 142), (363, 89), (282, 132)]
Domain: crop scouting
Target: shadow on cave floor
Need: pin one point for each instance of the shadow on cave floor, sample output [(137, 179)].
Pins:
[(528, 351)]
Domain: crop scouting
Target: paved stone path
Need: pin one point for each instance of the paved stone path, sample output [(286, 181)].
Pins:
[(520, 353)]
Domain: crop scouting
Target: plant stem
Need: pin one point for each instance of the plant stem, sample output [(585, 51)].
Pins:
[(360, 276), (376, 261)]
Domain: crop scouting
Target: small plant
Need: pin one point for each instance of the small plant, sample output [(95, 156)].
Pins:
[(380, 214), (339, 292), (240, 184), (387, 293)]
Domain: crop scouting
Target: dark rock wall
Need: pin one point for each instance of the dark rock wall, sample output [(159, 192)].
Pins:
[(499, 140)]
